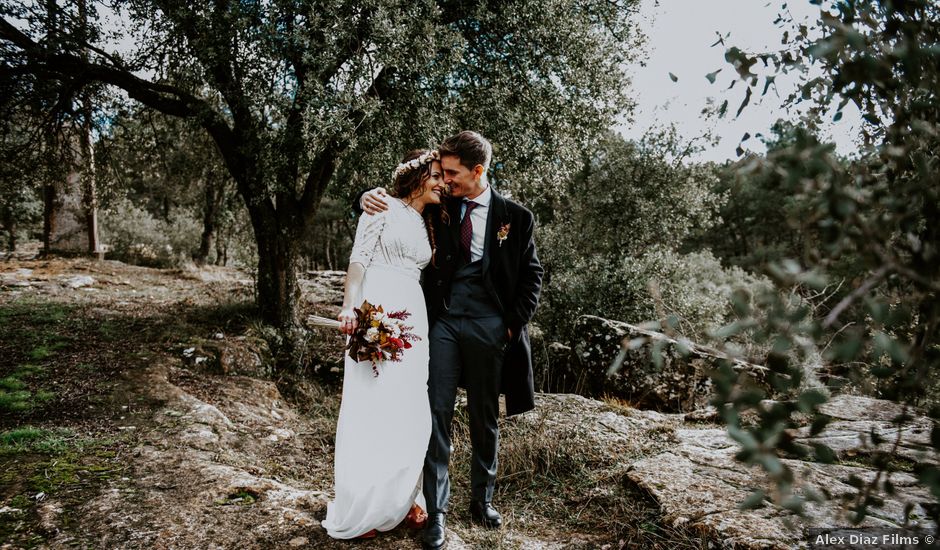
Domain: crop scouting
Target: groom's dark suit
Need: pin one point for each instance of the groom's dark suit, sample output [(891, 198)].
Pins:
[(512, 275), (470, 306)]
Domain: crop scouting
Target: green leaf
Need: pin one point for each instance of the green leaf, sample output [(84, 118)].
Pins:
[(823, 453), (886, 345), (753, 501), (810, 399), (657, 354), (747, 99), (673, 77), (711, 76), (848, 349), (744, 437), (820, 421), (769, 80), (729, 330), (935, 437)]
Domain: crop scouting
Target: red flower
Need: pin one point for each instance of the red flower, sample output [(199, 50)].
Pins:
[(407, 344), (397, 342)]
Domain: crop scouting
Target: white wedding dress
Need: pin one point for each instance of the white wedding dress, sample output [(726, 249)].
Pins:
[(384, 421)]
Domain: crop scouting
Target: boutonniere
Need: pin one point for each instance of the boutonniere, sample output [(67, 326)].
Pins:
[(503, 233)]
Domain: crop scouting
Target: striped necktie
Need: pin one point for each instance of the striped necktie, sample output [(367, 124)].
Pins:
[(466, 231)]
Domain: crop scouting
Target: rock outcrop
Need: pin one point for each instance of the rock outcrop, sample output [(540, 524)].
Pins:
[(700, 484), (680, 385)]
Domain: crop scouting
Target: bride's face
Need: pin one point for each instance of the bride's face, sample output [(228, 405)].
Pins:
[(434, 188)]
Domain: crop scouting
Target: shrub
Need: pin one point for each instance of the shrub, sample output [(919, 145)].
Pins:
[(693, 287), (134, 235)]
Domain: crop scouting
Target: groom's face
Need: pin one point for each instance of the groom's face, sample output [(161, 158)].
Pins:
[(461, 180)]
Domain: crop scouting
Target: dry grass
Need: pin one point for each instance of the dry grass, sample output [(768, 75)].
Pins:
[(554, 484)]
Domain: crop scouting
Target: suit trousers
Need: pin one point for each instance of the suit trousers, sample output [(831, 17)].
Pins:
[(467, 349)]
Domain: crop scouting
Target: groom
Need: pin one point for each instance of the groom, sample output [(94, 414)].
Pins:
[(481, 292)]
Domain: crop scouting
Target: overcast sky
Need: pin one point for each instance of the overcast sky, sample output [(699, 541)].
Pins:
[(680, 33)]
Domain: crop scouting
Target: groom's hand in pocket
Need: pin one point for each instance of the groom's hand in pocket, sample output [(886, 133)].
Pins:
[(374, 201)]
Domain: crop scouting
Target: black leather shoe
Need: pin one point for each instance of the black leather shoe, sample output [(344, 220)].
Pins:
[(434, 537), (484, 514)]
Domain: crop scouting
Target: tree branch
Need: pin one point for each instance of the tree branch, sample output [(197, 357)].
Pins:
[(855, 295), (324, 165), (165, 98)]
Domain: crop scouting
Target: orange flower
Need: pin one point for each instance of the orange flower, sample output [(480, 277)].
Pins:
[(503, 233)]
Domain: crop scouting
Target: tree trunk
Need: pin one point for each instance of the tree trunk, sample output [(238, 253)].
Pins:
[(221, 249), (50, 215), (210, 209), (88, 184), (278, 288), (10, 227)]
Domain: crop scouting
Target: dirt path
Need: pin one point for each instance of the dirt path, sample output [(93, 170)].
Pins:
[(138, 410)]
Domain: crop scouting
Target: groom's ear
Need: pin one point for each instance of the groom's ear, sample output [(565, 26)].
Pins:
[(479, 171)]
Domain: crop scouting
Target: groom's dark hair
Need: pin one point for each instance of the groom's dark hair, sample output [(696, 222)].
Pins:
[(470, 147)]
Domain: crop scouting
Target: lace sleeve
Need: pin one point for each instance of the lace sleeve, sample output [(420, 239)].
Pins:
[(367, 238)]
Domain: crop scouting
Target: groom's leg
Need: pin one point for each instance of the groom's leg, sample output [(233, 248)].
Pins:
[(443, 377), (483, 345)]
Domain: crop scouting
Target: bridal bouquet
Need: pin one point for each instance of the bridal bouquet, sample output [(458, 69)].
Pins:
[(379, 336)]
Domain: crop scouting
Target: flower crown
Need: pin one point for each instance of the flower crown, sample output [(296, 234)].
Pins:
[(413, 164)]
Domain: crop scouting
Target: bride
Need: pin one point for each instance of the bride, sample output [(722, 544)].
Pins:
[(385, 421)]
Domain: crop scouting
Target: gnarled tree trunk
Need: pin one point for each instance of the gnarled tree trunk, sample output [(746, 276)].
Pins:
[(278, 286)]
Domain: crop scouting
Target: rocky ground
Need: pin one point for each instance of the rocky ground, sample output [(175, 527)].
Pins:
[(137, 409)]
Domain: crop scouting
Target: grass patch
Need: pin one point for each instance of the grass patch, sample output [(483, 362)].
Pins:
[(241, 497), (20, 501), (22, 435), (14, 395), (28, 369), (29, 439), (48, 313), (34, 312), (36, 327), (46, 349), (15, 401), (11, 383)]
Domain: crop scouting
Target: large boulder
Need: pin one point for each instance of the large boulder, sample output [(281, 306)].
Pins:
[(700, 484), (681, 384)]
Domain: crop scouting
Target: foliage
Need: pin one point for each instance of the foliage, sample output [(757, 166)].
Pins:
[(20, 210), (330, 236), (879, 210), (629, 195), (693, 287), (616, 229), (309, 96), (168, 168), (23, 167), (15, 393), (134, 235), (761, 221)]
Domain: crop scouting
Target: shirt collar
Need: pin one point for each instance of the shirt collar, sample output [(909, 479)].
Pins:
[(483, 199)]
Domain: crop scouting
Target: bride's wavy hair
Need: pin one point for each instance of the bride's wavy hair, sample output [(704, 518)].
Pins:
[(410, 183)]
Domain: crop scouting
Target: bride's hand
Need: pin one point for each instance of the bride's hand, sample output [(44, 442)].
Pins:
[(348, 321), (374, 201)]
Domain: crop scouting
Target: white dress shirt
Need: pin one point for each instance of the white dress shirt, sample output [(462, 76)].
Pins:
[(478, 219)]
